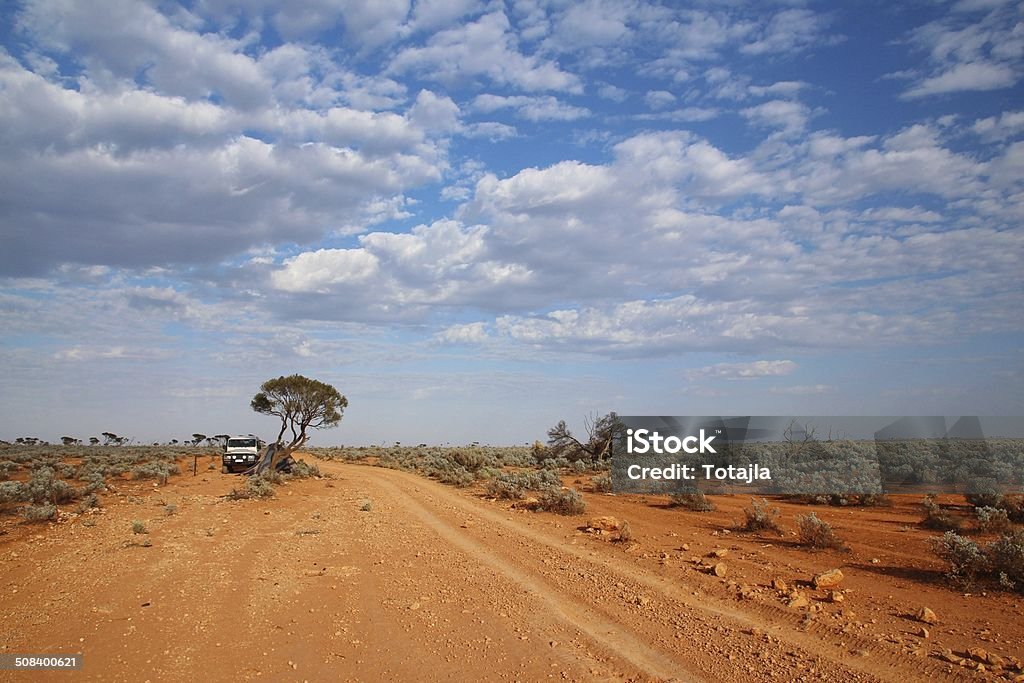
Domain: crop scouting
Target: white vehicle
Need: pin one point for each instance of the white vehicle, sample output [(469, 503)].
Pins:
[(241, 453)]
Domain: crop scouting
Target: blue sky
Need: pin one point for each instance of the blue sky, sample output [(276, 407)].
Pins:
[(478, 218)]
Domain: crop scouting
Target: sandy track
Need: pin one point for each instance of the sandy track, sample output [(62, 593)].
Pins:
[(430, 583)]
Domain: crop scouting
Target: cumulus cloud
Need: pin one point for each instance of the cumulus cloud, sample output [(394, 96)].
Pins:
[(970, 51), (483, 48)]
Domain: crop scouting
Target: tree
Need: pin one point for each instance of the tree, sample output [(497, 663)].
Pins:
[(302, 404), (69, 440), (197, 437), (601, 432)]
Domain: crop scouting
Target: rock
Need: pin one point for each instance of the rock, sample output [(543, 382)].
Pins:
[(926, 616), (829, 579), (641, 600), (606, 523), (948, 656), (718, 552), (526, 503), (720, 570), (924, 633), (836, 596), (798, 602), (978, 654), (779, 585)]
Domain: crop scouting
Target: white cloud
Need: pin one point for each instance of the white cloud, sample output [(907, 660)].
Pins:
[(1006, 125), (659, 99), (743, 371), (486, 47), (790, 117), (965, 77), (531, 108)]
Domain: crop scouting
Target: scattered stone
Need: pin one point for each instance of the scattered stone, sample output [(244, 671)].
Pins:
[(720, 570), (641, 600), (924, 633), (780, 585), (836, 596), (798, 601), (948, 656), (829, 579), (605, 523), (926, 616), (719, 552)]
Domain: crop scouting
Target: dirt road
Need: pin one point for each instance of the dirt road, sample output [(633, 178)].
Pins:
[(375, 574)]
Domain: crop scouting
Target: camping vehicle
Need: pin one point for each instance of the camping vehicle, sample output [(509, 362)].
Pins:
[(241, 453)]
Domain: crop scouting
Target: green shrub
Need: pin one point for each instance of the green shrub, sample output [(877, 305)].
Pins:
[(562, 501), (39, 513), (139, 527), (760, 517), (816, 533), (602, 484), (13, 492)]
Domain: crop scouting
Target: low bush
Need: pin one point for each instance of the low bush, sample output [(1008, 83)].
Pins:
[(12, 492), (816, 533), (992, 520), (139, 527), (562, 501), (760, 517), (39, 513), (602, 484), (161, 471), (303, 470), (936, 517), (696, 501), (966, 559), (1006, 557)]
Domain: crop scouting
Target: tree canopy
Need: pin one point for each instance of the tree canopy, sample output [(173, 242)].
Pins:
[(302, 404)]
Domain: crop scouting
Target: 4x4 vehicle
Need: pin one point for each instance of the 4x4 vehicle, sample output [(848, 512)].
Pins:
[(241, 453)]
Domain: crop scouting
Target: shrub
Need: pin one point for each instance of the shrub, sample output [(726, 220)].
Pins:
[(1007, 559), (366, 506), (513, 485), (471, 460), (992, 520), (303, 470), (139, 527), (966, 560), (759, 517), (936, 517), (39, 513), (602, 484), (161, 471), (816, 533), (989, 499), (504, 489), (562, 501), (91, 500), (43, 486), (695, 501), (12, 492)]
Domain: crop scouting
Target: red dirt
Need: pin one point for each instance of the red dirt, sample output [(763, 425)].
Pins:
[(436, 583)]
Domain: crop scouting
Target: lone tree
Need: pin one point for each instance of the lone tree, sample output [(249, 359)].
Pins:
[(601, 431), (302, 404)]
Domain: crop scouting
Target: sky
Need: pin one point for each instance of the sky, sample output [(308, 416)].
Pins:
[(478, 218)]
